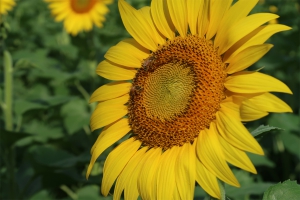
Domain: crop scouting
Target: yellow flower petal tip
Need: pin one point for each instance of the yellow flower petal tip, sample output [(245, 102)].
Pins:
[(180, 92)]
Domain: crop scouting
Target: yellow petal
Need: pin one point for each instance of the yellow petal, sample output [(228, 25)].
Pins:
[(146, 185), (185, 171), (270, 103), (235, 13), (210, 153), (203, 18), (217, 11), (231, 107), (247, 57), (159, 39), (108, 111), (176, 195), (116, 162), (131, 191), (234, 132), (250, 112), (193, 7), (114, 71), (161, 18), (244, 27), (137, 26), (107, 116), (108, 137), (256, 37), (178, 14), (111, 91), (128, 53), (126, 176), (207, 180), (237, 157), (254, 82), (165, 179)]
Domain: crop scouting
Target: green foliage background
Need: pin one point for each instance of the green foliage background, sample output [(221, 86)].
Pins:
[(45, 155)]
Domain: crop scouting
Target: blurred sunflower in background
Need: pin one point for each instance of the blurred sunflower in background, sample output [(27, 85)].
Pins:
[(79, 15), (5, 6), (181, 91)]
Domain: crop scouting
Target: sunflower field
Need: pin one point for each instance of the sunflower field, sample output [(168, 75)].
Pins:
[(50, 52)]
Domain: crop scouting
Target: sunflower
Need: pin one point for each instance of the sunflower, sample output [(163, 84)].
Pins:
[(6, 5), (79, 15), (181, 92)]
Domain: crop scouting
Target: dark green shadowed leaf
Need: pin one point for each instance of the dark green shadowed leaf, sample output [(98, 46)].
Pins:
[(285, 121), (41, 132), (8, 138), (44, 194), (52, 157), (262, 129), (259, 160), (22, 106), (248, 186), (288, 190), (291, 143)]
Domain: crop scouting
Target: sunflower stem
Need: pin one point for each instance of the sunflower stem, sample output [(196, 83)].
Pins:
[(81, 89), (8, 86), (67, 190), (222, 190), (8, 72)]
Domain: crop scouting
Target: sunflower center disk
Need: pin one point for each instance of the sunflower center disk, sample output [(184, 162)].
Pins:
[(167, 91), (176, 92), (82, 6)]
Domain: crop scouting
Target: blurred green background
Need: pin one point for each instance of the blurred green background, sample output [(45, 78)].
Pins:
[(46, 155)]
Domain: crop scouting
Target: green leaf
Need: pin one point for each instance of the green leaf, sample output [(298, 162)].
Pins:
[(262, 129), (8, 138), (52, 157), (22, 106), (291, 143), (91, 192), (40, 132), (44, 194), (199, 192), (288, 190), (57, 100), (75, 115), (248, 186), (286, 121), (259, 160), (247, 189), (37, 58)]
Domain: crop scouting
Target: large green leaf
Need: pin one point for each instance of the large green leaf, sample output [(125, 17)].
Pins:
[(288, 190)]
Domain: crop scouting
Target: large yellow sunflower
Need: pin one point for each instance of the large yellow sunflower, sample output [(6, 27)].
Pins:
[(181, 92), (79, 15), (6, 5)]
